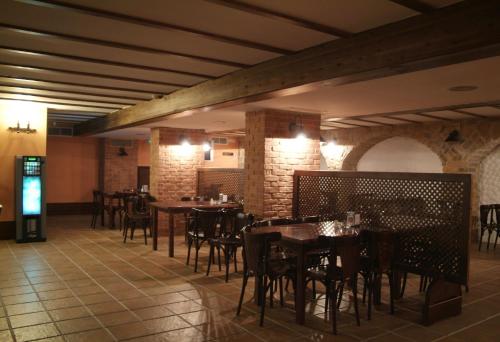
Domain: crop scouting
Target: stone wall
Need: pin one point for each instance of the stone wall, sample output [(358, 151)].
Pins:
[(272, 153), (480, 137), (120, 172), (173, 166)]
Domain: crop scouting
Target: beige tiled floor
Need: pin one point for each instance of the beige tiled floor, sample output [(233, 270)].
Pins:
[(86, 285)]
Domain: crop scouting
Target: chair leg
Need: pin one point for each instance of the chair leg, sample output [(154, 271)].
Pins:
[(132, 230), (489, 238), (227, 257), (190, 243), (365, 285), (235, 252), (403, 287), (242, 295), (391, 291), (271, 293), (263, 291), (421, 286), (280, 280), (496, 240), (481, 239), (370, 294), (340, 292), (314, 289), (145, 233), (327, 299), (355, 295), (218, 256), (197, 250), (125, 232), (210, 256), (333, 307)]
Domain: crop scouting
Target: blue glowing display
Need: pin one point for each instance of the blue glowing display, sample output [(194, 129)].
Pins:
[(32, 195)]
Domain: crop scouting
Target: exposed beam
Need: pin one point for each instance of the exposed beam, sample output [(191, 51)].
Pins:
[(35, 87), (129, 19), (118, 45), (416, 43), (54, 102), (336, 123), (401, 119), (371, 121), (76, 84), (91, 74), (431, 116), (461, 111), (289, 19), (416, 5), (117, 105), (106, 62)]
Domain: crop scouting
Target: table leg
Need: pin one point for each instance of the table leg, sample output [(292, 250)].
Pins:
[(155, 229), (171, 234), (300, 297)]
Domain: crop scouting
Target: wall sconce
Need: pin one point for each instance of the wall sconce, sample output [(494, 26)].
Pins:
[(206, 146), (297, 129), (454, 136), (19, 129), (122, 152), (184, 141)]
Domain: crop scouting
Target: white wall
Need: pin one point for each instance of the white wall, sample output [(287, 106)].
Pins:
[(400, 155)]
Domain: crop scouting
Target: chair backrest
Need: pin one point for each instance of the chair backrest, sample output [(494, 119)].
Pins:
[(233, 220), (130, 204), (256, 249), (205, 221), (381, 248), (348, 248), (98, 199), (275, 222), (185, 198), (486, 214)]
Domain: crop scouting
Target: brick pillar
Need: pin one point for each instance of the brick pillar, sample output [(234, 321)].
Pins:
[(120, 171), (272, 154), (173, 167)]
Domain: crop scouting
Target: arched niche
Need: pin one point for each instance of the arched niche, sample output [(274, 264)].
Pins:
[(489, 178), (400, 154)]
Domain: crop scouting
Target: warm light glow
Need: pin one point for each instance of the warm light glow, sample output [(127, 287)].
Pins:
[(301, 137), (206, 147), (22, 112)]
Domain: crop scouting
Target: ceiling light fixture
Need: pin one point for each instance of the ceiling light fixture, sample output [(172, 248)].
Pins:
[(183, 140)]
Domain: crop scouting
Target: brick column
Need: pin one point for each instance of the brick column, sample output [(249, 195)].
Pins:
[(173, 167), (272, 154), (120, 172)]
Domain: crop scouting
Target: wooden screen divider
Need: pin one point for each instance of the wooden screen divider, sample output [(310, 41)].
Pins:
[(229, 181), (429, 211)]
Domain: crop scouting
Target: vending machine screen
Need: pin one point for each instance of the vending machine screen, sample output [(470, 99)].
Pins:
[(32, 195)]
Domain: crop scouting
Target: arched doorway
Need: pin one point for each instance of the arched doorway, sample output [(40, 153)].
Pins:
[(400, 154)]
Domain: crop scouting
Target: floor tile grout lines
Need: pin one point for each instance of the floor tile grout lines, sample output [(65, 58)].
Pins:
[(72, 291), (467, 327), (246, 330)]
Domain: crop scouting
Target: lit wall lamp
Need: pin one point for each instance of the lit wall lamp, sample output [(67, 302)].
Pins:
[(184, 141), (206, 146), (19, 129), (122, 152), (297, 129)]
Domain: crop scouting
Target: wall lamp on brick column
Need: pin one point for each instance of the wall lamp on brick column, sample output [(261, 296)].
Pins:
[(297, 129)]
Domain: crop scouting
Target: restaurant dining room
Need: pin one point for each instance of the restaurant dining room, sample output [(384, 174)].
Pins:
[(249, 170)]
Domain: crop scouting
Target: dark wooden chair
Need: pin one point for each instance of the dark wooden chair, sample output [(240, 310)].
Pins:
[(229, 239), (113, 204), (348, 249), (496, 209), (134, 218), (97, 207), (487, 223), (258, 261), (381, 246), (202, 228)]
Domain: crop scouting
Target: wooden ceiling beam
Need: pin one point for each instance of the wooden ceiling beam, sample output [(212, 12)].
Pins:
[(63, 97), (289, 19), (35, 87), (105, 62), (464, 112), (129, 19), (370, 121), (431, 116), (118, 45), (416, 5), (92, 74), (55, 103), (76, 84), (416, 43), (401, 119)]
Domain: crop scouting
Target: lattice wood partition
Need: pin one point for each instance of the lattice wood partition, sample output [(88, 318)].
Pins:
[(213, 181), (430, 212)]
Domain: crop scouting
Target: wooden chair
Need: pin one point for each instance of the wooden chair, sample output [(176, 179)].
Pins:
[(229, 239), (97, 207), (258, 262), (112, 206), (202, 228), (381, 252), (486, 213), (133, 217), (348, 248), (496, 209)]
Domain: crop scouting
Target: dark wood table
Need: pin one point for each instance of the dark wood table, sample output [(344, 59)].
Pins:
[(302, 238), (179, 207)]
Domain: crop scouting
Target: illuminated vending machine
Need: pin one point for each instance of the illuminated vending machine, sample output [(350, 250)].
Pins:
[(30, 199)]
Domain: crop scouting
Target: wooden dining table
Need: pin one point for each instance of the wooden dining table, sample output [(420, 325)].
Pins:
[(180, 207), (302, 238)]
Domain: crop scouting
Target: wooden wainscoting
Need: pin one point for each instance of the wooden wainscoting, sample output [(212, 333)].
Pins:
[(79, 208)]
